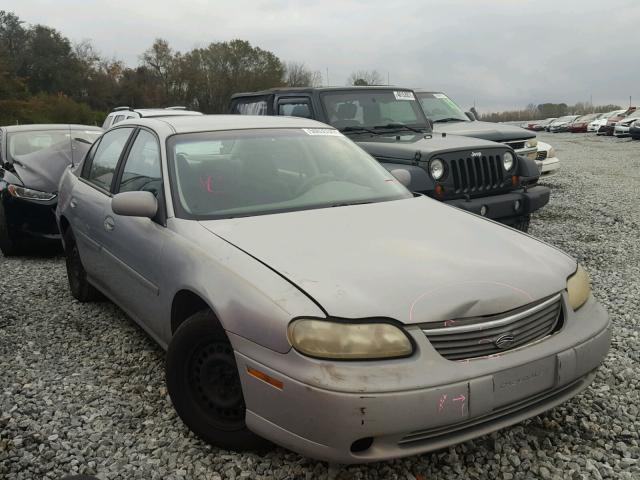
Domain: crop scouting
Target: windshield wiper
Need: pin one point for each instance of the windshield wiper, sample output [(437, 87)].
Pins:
[(399, 126), (449, 119), (83, 140), (346, 204), (358, 129)]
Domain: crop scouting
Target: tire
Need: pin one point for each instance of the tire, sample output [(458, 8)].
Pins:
[(213, 408), (8, 242), (522, 223), (80, 288)]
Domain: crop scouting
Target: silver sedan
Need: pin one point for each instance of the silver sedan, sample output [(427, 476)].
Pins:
[(307, 298)]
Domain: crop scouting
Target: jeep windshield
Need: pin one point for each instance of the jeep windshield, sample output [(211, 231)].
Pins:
[(255, 172), (374, 111), (440, 109)]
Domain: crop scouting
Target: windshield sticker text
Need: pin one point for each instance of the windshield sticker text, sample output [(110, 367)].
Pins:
[(404, 95)]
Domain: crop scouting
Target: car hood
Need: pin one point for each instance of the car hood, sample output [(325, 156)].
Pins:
[(406, 146), (414, 260), (42, 170), (495, 132)]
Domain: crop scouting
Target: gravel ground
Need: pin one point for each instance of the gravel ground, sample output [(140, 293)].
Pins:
[(83, 391)]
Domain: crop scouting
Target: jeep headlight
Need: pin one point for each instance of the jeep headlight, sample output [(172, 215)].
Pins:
[(348, 341), (533, 142), (508, 160), (578, 288), (30, 194), (436, 168)]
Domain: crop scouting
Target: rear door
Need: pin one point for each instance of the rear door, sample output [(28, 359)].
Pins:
[(90, 196)]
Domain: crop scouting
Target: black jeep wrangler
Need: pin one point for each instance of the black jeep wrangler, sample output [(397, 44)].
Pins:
[(479, 176)]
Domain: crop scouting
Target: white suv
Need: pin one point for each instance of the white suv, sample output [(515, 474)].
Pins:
[(123, 113)]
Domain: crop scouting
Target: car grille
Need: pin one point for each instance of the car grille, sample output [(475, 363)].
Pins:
[(478, 174), (516, 145), (541, 155), (481, 336)]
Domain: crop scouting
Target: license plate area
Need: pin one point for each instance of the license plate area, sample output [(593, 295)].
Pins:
[(521, 382)]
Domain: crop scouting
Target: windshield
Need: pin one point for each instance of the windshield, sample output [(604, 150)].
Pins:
[(373, 109), (22, 145), (587, 118), (634, 114), (255, 172), (440, 109)]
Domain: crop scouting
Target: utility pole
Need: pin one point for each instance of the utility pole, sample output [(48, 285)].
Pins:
[(388, 79), (327, 76)]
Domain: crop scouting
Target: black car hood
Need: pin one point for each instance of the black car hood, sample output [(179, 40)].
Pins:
[(405, 146), (496, 132), (43, 169)]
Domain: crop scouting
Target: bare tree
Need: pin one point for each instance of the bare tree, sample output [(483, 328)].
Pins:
[(297, 74), (365, 77)]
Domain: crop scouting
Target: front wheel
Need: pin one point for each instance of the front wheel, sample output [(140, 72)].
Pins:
[(204, 384), (8, 243)]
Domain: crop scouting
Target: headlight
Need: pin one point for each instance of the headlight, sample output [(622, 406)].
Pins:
[(436, 168), (552, 152), (348, 341), (531, 143), (508, 161), (578, 288), (29, 194)]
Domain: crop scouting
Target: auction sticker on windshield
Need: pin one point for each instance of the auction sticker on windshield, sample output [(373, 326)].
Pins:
[(404, 95), (322, 131)]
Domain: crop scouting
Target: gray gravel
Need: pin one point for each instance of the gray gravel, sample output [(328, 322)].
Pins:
[(82, 387)]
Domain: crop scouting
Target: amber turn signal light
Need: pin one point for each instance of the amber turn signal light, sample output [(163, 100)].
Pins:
[(265, 378), (515, 180), (439, 190)]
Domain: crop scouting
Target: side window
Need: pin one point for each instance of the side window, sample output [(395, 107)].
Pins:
[(251, 106), (295, 108), (101, 169), (107, 122), (142, 170), (117, 118)]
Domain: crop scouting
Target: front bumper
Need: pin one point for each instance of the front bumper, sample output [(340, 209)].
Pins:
[(502, 207), (635, 132), (621, 131), (418, 404), (548, 166), (31, 218)]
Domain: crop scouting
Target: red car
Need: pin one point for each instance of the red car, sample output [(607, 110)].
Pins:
[(611, 123), (581, 123)]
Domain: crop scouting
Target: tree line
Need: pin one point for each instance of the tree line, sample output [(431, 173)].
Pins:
[(547, 110)]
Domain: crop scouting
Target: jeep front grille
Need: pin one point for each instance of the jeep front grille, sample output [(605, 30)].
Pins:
[(478, 174), (478, 337), (541, 155)]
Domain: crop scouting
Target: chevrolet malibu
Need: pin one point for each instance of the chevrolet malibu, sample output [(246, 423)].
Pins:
[(307, 298)]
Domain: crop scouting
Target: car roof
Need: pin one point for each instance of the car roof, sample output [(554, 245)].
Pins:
[(155, 112), (270, 91), (35, 127), (206, 123)]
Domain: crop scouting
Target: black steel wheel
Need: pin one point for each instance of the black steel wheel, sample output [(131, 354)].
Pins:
[(8, 243), (80, 288), (204, 384)]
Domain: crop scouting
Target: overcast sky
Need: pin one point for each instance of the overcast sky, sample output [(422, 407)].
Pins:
[(502, 53)]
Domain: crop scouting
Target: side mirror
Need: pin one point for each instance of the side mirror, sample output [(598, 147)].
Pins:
[(471, 116), (403, 176), (135, 204)]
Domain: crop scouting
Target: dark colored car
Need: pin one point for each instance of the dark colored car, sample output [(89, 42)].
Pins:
[(482, 177), (448, 117), (634, 130), (580, 124), (609, 128), (32, 160)]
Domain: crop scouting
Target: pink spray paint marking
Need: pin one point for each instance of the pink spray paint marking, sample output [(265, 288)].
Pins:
[(443, 399), (462, 399)]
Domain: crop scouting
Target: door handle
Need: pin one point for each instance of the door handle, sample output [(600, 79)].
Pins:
[(73, 203), (109, 224)]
